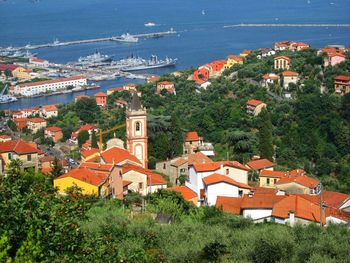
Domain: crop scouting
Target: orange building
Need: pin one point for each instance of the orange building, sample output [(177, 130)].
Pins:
[(101, 99), (53, 132)]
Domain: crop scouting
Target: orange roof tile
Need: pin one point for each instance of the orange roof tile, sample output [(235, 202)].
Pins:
[(219, 178), (290, 73), (17, 146), (118, 155), (97, 166), (229, 204), (344, 78), (260, 164), (233, 57), (254, 102), (192, 136), (50, 107), (36, 120), (260, 201), (302, 180), (152, 178), (271, 76), (53, 129), (165, 83), (334, 199), (276, 174), (126, 183), (5, 137), (213, 166), (90, 152), (85, 175), (100, 94), (186, 192)]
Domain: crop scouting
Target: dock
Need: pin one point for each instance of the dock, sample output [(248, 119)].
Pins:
[(88, 41), (287, 25)]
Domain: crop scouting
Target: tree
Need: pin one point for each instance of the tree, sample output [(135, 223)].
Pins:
[(57, 169), (176, 137), (265, 136), (83, 136), (94, 140), (87, 110), (12, 125)]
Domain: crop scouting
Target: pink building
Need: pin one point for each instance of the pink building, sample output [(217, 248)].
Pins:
[(333, 59), (101, 99)]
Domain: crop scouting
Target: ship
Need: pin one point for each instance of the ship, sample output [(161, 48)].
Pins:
[(149, 24), (7, 99), (152, 63), (126, 38), (131, 61), (94, 59)]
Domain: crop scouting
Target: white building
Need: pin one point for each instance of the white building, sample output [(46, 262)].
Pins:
[(35, 88), (38, 62)]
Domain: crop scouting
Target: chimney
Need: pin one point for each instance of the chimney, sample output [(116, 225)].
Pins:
[(251, 194), (291, 217), (222, 169)]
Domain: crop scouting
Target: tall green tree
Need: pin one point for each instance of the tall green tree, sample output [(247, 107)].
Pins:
[(83, 136), (94, 140), (87, 110), (176, 137), (265, 136), (57, 169)]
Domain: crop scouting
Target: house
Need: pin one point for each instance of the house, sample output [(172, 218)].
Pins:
[(18, 149), (179, 166), (22, 73), (49, 111), (38, 62), (152, 79), (299, 185), (89, 181), (298, 46), (232, 60), (245, 53), (53, 132), (220, 185), (101, 99), (289, 77), (25, 113), (342, 84), (5, 138), (201, 74), (87, 155), (260, 164), (186, 193), (119, 156), (121, 103), (192, 141), (333, 59), (165, 85), (21, 123), (282, 45), (87, 127), (268, 178), (265, 52), (215, 68), (282, 62), (8, 67), (130, 86), (35, 124), (143, 181), (254, 107), (269, 80)]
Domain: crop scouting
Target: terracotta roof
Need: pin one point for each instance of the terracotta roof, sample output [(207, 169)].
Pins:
[(165, 83), (301, 207), (17, 146), (50, 107), (51, 81), (219, 178), (334, 199), (302, 180), (179, 162), (97, 166), (186, 192), (246, 52), (264, 190), (260, 164), (336, 55), (10, 67), (276, 174), (90, 152), (344, 78), (192, 136), (130, 85), (53, 129), (85, 175), (254, 102), (5, 137), (198, 157), (37, 59), (36, 120), (271, 76), (126, 183), (118, 155), (337, 214), (290, 73), (261, 201), (152, 178), (213, 166), (229, 204), (233, 57), (100, 94)]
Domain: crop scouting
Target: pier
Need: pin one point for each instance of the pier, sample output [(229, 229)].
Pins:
[(87, 41), (287, 25)]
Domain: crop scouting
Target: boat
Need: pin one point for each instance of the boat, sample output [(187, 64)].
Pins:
[(94, 59), (56, 43), (7, 99), (17, 54), (130, 61), (149, 24), (152, 63), (126, 38)]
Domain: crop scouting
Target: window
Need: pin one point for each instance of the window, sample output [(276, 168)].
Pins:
[(29, 157), (164, 165), (140, 185), (240, 193), (10, 156), (138, 128), (274, 181), (190, 142), (227, 171), (267, 180)]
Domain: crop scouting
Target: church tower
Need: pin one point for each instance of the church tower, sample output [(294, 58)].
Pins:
[(136, 130)]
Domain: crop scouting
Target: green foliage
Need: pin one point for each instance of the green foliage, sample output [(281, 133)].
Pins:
[(12, 125), (265, 136), (57, 168), (94, 140), (83, 136), (87, 110)]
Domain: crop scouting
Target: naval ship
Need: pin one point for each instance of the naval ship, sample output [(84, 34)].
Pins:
[(152, 63)]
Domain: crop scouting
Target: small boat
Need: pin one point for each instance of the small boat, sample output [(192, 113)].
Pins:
[(150, 24), (126, 38), (7, 99)]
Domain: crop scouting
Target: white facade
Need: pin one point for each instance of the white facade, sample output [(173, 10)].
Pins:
[(257, 214), (35, 88), (220, 189)]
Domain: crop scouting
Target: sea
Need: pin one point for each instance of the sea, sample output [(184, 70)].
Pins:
[(200, 24)]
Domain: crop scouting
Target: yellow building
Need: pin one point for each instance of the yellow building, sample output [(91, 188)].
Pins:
[(245, 53), (268, 178), (89, 181), (21, 73), (233, 60), (35, 124)]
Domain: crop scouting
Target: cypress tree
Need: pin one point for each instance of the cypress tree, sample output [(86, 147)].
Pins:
[(94, 140), (265, 136)]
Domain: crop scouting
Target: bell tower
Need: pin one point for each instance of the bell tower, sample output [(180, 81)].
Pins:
[(136, 130)]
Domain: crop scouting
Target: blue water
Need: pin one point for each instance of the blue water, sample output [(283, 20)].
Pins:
[(201, 38)]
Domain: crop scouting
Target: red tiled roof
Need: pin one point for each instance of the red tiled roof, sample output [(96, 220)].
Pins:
[(85, 175), (186, 192), (36, 120), (53, 129), (336, 55), (10, 67), (290, 73), (37, 59), (17, 146), (260, 164), (97, 166), (229, 204), (261, 201), (90, 152), (152, 178), (344, 78), (118, 155), (130, 85), (191, 159), (192, 136), (5, 137), (276, 174), (213, 166), (219, 178), (254, 102), (301, 207), (126, 183), (302, 180), (264, 190), (100, 94), (165, 83), (233, 57), (334, 199), (51, 81), (271, 76), (246, 52), (50, 107)]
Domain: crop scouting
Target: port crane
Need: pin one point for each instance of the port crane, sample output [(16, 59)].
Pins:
[(108, 131)]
